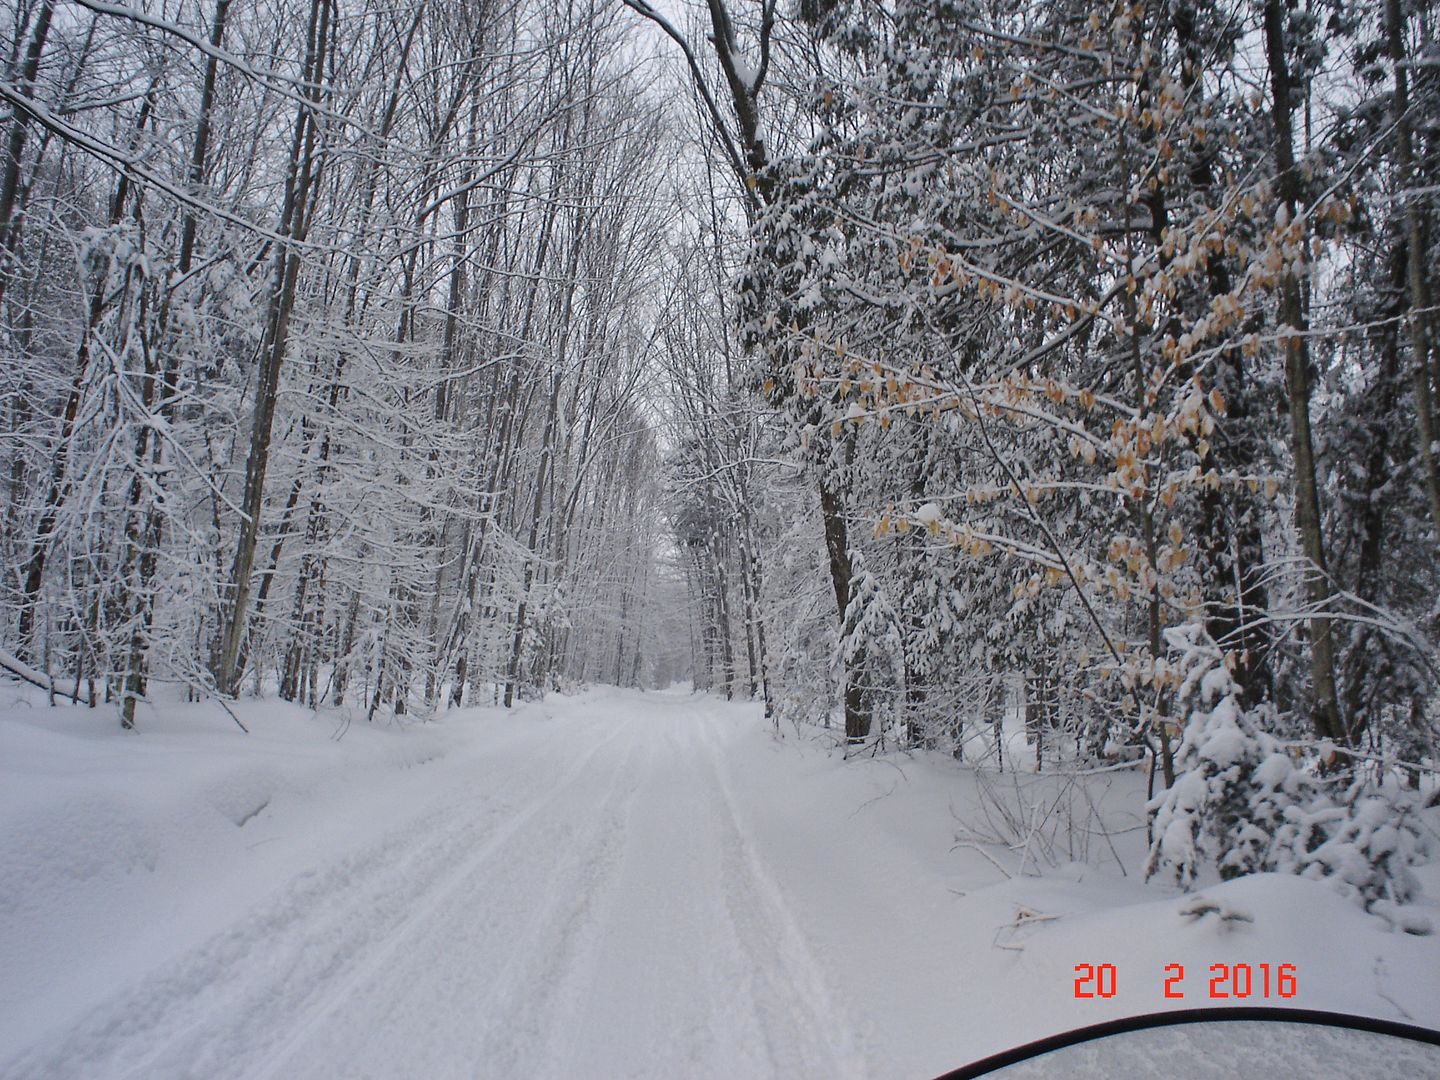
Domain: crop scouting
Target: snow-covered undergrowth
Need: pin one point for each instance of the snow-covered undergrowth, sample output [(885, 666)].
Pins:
[(615, 883), (118, 851)]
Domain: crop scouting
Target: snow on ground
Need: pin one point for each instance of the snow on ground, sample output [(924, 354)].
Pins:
[(614, 884)]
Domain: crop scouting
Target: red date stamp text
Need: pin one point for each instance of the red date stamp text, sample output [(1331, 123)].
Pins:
[(1222, 982)]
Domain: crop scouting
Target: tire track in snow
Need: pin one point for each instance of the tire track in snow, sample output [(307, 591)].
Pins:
[(474, 987), (210, 1013), (539, 984), (783, 966), (646, 982), (434, 935), (701, 970)]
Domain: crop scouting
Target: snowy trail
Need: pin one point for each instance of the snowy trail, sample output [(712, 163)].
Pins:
[(585, 901), (614, 885)]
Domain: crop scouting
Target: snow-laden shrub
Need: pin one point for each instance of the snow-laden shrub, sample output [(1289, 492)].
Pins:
[(1234, 781), (1364, 843), (1241, 800)]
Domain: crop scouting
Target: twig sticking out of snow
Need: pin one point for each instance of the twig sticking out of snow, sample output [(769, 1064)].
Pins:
[(1024, 917), (229, 710), (1197, 907), (981, 849)]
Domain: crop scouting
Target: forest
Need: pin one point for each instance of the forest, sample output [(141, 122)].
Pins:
[(904, 365)]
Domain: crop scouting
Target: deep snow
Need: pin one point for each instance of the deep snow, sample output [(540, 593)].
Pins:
[(614, 884)]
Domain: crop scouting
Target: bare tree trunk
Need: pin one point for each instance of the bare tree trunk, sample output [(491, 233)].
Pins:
[(837, 544), (1370, 507), (547, 454), (294, 223), (722, 615), (1416, 277), (1326, 715), (750, 594), (150, 447), (15, 144), (544, 472)]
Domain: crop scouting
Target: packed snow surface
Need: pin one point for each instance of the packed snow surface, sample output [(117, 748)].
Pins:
[(613, 884)]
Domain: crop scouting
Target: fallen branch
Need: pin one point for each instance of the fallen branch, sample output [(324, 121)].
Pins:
[(23, 671), (229, 710)]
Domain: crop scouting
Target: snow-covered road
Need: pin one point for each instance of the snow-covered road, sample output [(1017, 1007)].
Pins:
[(613, 885), (562, 901)]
